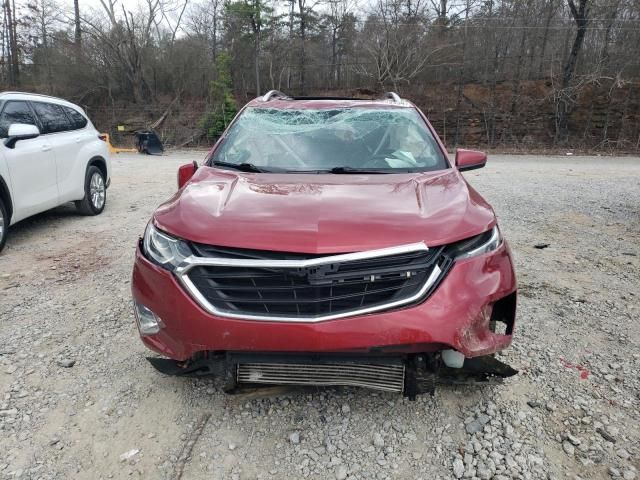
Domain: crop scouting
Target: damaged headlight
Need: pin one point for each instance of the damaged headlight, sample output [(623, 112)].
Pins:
[(476, 245), (164, 249)]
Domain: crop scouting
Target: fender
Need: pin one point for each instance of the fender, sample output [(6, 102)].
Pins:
[(5, 194), (87, 155)]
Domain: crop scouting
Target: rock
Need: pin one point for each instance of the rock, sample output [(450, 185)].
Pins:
[(341, 472), (534, 403), (346, 409), (622, 453), (478, 424), (483, 473), (606, 434), (629, 475), (614, 472), (66, 363), (568, 448), (9, 412), (458, 468), (574, 440), (378, 441), (129, 454), (294, 438), (232, 446)]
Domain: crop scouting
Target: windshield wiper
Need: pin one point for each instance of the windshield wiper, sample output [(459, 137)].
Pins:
[(351, 170), (243, 167)]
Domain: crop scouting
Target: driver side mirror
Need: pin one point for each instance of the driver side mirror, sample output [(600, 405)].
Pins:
[(185, 172), (20, 131), (470, 159)]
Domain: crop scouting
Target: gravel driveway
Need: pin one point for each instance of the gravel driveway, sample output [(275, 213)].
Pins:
[(78, 399)]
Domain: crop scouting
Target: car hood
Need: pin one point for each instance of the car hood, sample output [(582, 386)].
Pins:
[(324, 213)]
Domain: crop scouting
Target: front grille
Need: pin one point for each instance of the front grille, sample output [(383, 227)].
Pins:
[(270, 285), (389, 378)]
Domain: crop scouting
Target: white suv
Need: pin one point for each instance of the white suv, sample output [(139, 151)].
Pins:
[(50, 154)]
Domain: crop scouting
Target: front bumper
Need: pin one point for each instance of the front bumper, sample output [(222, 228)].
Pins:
[(457, 316)]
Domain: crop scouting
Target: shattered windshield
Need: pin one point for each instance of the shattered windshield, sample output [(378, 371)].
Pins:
[(340, 140)]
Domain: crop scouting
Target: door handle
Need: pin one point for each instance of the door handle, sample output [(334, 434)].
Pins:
[(46, 148)]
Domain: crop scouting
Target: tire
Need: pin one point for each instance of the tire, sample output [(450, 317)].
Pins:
[(4, 224), (95, 193)]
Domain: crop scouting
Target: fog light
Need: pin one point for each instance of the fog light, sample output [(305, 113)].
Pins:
[(148, 322), (452, 358)]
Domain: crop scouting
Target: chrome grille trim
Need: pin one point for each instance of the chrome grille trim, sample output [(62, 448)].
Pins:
[(182, 273), (388, 378)]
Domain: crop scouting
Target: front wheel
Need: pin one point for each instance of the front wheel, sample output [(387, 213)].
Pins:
[(95, 193), (4, 224)]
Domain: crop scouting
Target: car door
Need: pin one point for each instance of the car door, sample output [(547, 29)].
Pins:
[(31, 164), (66, 143)]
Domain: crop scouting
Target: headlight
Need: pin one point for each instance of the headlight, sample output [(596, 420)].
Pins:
[(474, 246), (164, 249)]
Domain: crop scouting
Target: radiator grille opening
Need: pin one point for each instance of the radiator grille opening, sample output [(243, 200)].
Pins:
[(322, 289)]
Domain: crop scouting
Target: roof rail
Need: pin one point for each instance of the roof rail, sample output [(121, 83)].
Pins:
[(392, 96), (34, 94), (274, 94)]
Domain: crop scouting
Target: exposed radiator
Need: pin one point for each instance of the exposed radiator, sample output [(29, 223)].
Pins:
[(389, 378)]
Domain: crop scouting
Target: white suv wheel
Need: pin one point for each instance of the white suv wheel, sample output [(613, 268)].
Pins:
[(97, 190)]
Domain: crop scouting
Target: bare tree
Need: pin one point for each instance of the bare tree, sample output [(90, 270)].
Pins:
[(13, 51), (46, 14), (581, 17), (396, 46), (490, 70)]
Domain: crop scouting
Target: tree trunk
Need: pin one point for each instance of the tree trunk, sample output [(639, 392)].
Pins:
[(545, 37), (78, 31), (291, 9), (303, 34), (257, 63), (14, 61), (461, 76), (45, 44), (256, 24), (334, 56), (580, 15)]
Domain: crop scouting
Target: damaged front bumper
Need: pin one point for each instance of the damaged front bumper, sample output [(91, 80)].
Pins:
[(409, 375), (472, 311), (467, 318)]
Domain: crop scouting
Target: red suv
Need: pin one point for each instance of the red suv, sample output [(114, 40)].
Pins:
[(327, 241)]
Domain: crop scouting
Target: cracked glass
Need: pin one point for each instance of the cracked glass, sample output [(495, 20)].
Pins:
[(358, 138)]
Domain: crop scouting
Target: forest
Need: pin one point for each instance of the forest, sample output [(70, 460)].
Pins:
[(519, 75)]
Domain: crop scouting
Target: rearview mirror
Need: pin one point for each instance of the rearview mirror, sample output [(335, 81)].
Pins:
[(470, 159), (185, 172), (20, 131)]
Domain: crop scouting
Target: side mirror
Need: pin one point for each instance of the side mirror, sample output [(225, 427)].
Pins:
[(20, 131), (470, 159), (185, 172)]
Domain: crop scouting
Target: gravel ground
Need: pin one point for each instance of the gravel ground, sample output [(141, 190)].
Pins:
[(78, 400)]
